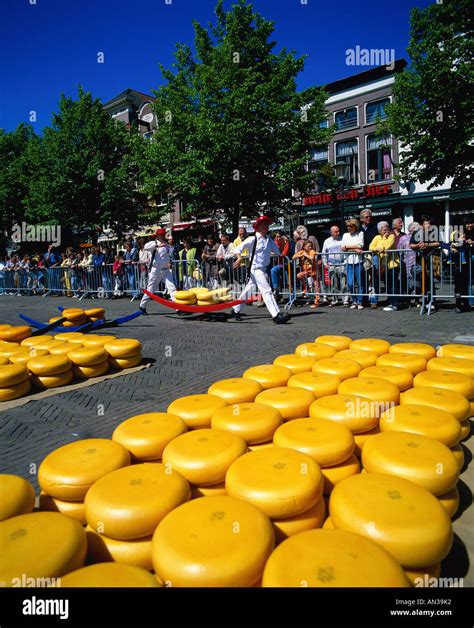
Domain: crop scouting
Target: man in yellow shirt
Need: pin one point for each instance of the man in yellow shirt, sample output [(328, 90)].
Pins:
[(388, 264)]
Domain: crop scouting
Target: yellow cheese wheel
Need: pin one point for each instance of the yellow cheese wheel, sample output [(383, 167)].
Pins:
[(95, 312), (126, 363), (409, 361), (456, 365), (465, 429), (94, 340), (450, 501), (10, 348), (328, 524), (18, 496), (208, 491), (282, 482), (374, 388), (355, 413), (335, 474), (296, 363), (291, 403), (128, 503), (260, 446), (110, 575), (401, 378), (103, 549), (320, 384), (4, 361), (212, 542), (342, 368), (402, 517), (25, 357), (315, 350), (16, 391), (191, 301), (15, 334), (422, 460), (44, 382), (361, 438), (416, 348), (53, 319), (2, 327), (57, 348), (12, 374), (69, 471), (200, 302), (96, 318), (452, 402), (421, 577), (376, 345), (40, 545), (86, 372), (70, 336), (146, 435), (48, 344), (76, 322), (309, 520), (49, 365), (268, 375), (423, 420), (326, 442), (331, 558), (458, 451), (185, 295), (364, 358), (70, 509), (254, 422), (203, 456), (123, 347), (235, 390), (449, 380), (87, 356), (73, 313), (196, 410), (457, 351), (35, 340), (199, 290), (338, 342)]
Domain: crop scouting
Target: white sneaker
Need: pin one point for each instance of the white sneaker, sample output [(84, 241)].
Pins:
[(353, 306), (389, 308), (360, 307)]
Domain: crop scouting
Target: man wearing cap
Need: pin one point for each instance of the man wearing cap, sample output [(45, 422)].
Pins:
[(259, 248), (159, 268)]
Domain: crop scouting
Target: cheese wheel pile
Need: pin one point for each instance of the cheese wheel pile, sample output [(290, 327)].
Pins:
[(76, 316), (89, 362), (124, 353), (202, 296)]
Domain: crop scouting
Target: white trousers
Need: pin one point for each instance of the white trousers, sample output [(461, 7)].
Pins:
[(156, 276), (258, 279)]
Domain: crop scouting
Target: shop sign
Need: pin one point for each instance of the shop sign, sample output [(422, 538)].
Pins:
[(367, 191)]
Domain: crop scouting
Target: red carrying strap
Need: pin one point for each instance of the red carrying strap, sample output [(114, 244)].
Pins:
[(198, 309)]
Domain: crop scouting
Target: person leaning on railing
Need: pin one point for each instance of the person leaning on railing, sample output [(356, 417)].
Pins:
[(279, 270), (388, 263), (352, 243), (309, 271), (335, 262), (424, 242)]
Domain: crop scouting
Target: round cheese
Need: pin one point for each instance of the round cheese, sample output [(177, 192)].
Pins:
[(16, 391), (331, 558), (8, 349), (123, 347), (423, 420), (335, 474), (40, 545), (364, 358), (409, 361), (70, 509), (416, 348), (18, 496), (130, 502), (282, 482), (338, 342), (212, 542), (86, 372), (25, 356), (423, 461), (87, 356), (402, 517), (48, 344), (402, 378), (95, 312), (374, 388), (457, 351), (110, 575), (146, 435), (235, 390), (35, 340), (208, 491), (448, 380), (103, 549), (342, 368), (376, 345), (291, 403), (326, 442), (70, 336), (51, 381), (254, 422), (73, 313), (295, 362), (315, 350), (458, 452), (49, 365), (69, 471), (12, 374), (420, 577), (309, 520), (362, 438), (56, 347), (191, 301), (185, 295), (328, 524), (260, 446), (92, 340), (450, 501), (355, 413), (126, 363), (465, 429), (15, 334), (456, 365), (268, 375), (196, 410), (451, 402), (320, 384), (2, 327)]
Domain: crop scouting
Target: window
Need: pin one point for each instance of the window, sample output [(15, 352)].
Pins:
[(319, 157), (346, 119), (348, 153), (379, 159), (376, 110), (323, 124)]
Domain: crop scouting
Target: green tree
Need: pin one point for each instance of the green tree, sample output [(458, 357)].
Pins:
[(233, 131), (432, 113)]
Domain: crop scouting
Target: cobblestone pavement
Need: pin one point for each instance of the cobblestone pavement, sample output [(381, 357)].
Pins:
[(189, 354)]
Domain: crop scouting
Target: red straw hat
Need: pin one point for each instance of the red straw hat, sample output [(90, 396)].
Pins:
[(262, 220), (160, 231)]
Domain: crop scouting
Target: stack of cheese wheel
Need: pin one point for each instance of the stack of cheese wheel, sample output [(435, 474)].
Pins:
[(285, 484), (76, 316), (18, 496), (329, 443), (124, 353), (15, 333), (254, 422), (211, 297), (95, 314), (14, 381), (89, 362), (50, 371), (185, 297), (124, 507), (67, 473)]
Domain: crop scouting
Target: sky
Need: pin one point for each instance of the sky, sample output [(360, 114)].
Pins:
[(49, 47)]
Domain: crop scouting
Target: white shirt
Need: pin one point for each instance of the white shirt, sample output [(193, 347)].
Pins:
[(265, 247), (225, 251), (161, 258), (332, 246), (355, 239)]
